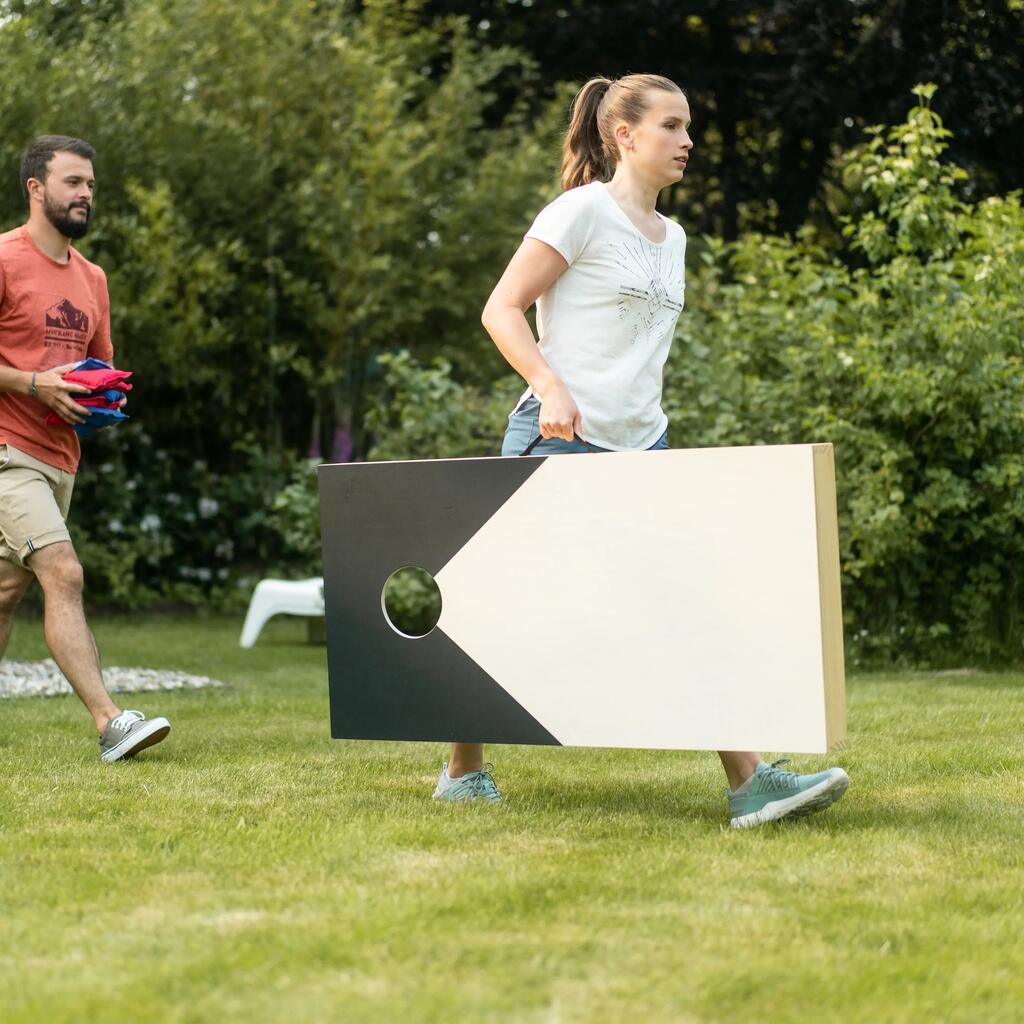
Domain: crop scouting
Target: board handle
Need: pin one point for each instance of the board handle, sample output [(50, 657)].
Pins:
[(591, 450)]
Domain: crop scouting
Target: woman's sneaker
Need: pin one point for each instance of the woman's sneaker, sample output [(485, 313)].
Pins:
[(472, 786), (129, 733), (771, 794)]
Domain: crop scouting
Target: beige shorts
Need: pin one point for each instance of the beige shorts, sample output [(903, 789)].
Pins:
[(34, 503)]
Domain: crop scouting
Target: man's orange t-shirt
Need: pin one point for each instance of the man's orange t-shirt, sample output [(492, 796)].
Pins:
[(50, 313)]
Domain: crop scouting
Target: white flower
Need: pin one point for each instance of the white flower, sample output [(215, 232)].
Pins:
[(208, 507)]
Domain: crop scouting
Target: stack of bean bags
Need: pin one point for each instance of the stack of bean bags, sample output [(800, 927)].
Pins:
[(107, 388)]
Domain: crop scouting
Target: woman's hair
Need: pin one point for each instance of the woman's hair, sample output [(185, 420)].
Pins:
[(590, 151)]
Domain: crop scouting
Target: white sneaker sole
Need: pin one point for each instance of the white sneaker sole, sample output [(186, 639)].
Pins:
[(146, 735), (817, 798)]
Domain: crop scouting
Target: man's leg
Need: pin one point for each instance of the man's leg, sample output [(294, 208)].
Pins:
[(13, 583), (67, 634)]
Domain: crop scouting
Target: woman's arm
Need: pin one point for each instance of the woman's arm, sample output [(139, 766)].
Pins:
[(532, 271)]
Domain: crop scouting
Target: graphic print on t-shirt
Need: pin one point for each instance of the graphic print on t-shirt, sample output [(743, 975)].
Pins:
[(65, 324), (644, 298)]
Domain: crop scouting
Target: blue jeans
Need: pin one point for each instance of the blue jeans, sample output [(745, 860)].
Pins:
[(524, 427)]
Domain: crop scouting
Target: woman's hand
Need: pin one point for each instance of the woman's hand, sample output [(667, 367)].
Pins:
[(55, 393), (559, 414)]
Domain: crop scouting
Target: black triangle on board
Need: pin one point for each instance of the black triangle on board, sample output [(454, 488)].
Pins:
[(376, 518)]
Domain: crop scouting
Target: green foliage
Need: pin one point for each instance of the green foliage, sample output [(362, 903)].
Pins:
[(295, 516), (422, 412), (416, 412), (917, 209), (913, 366), (778, 88), (285, 189), (151, 527), (289, 190)]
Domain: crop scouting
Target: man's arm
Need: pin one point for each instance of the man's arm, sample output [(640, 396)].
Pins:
[(14, 380), (47, 387)]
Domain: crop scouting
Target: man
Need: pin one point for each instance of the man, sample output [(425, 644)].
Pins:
[(54, 311)]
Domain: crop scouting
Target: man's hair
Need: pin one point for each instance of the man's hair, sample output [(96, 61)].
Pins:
[(35, 161)]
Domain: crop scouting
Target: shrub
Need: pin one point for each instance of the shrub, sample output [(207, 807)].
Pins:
[(903, 347), (152, 529)]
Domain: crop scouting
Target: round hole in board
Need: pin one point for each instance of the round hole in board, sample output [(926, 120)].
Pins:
[(411, 602)]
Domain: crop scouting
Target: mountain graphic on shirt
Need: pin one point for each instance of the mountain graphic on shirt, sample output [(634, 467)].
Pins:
[(66, 325), (67, 316)]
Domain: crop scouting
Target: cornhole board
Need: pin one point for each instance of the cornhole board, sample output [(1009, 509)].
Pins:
[(684, 599)]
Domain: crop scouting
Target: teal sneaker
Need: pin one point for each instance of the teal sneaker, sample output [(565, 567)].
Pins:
[(771, 794), (472, 786)]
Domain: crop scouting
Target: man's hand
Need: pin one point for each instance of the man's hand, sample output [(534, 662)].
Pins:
[(55, 393)]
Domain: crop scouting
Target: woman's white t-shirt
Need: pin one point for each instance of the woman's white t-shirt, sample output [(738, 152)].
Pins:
[(605, 326)]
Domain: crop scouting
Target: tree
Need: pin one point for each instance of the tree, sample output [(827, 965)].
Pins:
[(778, 88), (286, 190), (901, 344)]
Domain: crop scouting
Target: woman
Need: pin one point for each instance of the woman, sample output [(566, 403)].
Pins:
[(606, 271)]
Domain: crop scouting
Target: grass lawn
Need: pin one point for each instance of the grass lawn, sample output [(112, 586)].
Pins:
[(252, 869)]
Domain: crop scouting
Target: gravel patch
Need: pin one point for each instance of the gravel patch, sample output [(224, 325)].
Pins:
[(44, 679)]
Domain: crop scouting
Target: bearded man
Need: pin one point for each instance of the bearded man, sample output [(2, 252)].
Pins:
[(54, 312)]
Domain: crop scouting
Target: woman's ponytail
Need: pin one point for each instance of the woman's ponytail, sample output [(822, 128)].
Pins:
[(583, 156)]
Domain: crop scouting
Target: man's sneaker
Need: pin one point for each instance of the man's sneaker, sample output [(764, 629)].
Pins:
[(129, 733), (472, 786), (771, 794)]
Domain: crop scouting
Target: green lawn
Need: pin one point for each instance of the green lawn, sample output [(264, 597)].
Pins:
[(252, 869)]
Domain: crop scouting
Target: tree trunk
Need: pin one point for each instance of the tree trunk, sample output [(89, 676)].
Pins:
[(357, 404), (326, 421)]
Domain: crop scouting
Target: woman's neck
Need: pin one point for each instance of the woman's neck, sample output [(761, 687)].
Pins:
[(632, 191)]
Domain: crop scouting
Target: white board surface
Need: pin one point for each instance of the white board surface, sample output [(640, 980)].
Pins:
[(659, 599)]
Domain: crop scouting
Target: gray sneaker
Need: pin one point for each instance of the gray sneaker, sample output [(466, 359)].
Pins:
[(129, 733)]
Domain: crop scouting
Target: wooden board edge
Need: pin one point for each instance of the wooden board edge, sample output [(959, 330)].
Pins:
[(833, 663)]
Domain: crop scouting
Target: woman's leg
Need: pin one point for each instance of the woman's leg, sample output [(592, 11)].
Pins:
[(523, 428), (739, 765), (760, 792), (465, 758)]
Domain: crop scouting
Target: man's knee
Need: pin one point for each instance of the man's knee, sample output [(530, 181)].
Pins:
[(58, 568), (13, 584)]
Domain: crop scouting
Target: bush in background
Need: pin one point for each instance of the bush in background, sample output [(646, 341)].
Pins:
[(904, 348)]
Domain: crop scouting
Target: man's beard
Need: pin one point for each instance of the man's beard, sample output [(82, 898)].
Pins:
[(60, 217)]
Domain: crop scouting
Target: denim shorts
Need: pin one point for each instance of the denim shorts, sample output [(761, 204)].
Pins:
[(524, 427)]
